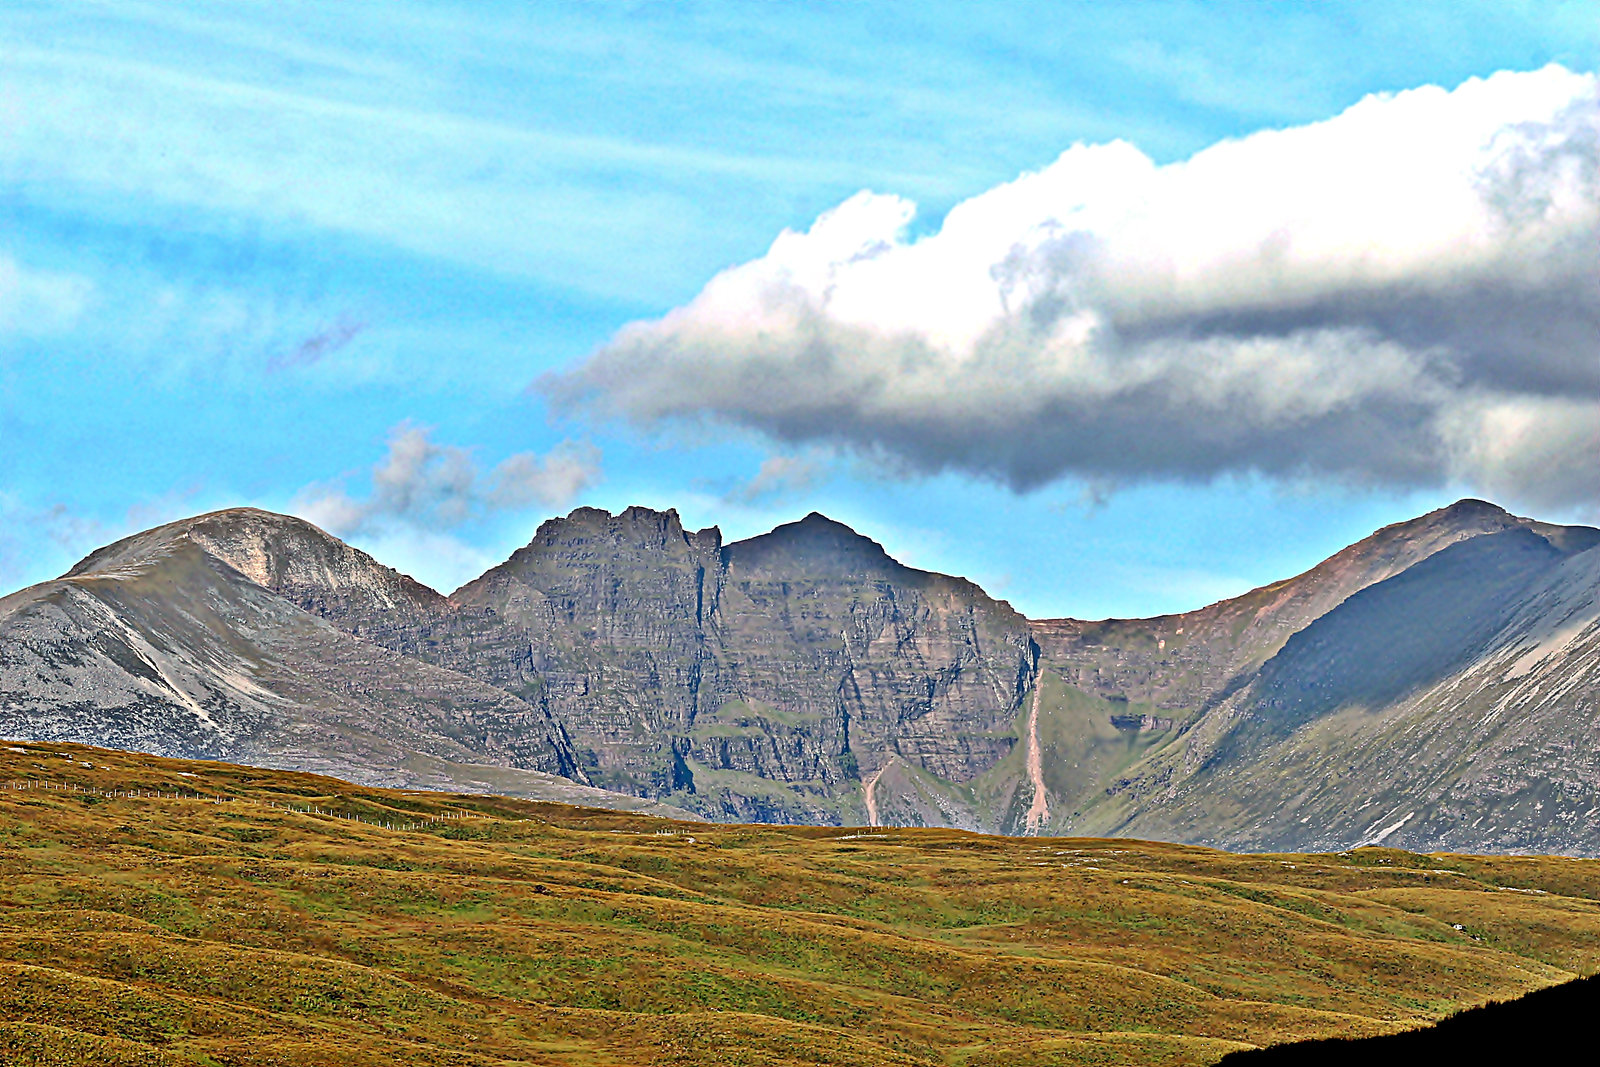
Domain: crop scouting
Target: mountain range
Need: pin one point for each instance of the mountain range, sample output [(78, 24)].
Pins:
[(1433, 686)]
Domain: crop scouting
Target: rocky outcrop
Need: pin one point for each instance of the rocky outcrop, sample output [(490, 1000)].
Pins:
[(757, 680)]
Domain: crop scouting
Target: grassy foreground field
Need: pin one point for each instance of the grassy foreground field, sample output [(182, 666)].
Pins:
[(167, 930)]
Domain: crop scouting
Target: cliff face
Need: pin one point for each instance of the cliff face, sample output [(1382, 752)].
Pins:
[(758, 680), (832, 659), (600, 618)]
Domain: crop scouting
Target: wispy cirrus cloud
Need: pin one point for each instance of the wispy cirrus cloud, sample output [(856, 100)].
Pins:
[(779, 477), (318, 346), (39, 302), (430, 486), (405, 166), (1405, 294)]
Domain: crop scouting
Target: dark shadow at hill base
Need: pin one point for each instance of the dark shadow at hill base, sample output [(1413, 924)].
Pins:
[(1553, 1025)]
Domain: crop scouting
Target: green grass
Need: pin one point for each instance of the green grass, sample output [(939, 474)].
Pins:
[(164, 932)]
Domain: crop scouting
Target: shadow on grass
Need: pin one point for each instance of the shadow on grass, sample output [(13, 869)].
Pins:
[(1537, 1028)]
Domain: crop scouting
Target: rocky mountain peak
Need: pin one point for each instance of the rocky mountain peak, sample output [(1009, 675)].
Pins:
[(1467, 518), (814, 545), (591, 535), (1468, 505), (278, 552), (1468, 514), (805, 674), (636, 526)]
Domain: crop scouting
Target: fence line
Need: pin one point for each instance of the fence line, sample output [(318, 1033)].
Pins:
[(53, 786)]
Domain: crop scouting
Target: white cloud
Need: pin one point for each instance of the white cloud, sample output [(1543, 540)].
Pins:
[(35, 302), (554, 478), (425, 485), (1541, 450), (779, 476), (1372, 299)]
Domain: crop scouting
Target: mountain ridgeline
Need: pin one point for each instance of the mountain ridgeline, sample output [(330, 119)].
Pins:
[(1434, 685)]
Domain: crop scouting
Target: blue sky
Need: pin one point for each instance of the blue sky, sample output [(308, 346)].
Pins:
[(325, 258)]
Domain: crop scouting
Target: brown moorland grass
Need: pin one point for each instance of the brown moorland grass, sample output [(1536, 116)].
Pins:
[(168, 930)]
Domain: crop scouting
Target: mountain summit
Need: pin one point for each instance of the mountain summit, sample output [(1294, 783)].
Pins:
[(1431, 685)]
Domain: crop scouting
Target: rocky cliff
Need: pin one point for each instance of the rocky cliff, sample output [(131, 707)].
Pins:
[(758, 680)]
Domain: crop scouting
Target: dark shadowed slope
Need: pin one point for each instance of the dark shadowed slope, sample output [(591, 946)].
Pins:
[(1454, 705), (1405, 633), (1553, 1025)]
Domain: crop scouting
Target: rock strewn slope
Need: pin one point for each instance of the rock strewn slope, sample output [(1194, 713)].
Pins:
[(158, 643)]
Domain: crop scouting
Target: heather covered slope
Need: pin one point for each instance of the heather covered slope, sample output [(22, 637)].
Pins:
[(220, 922)]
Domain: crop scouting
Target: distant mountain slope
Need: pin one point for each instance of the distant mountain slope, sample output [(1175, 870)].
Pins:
[(1454, 705), (1179, 661), (1433, 685)]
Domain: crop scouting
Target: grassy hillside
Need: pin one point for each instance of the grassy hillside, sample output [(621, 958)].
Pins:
[(219, 922)]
